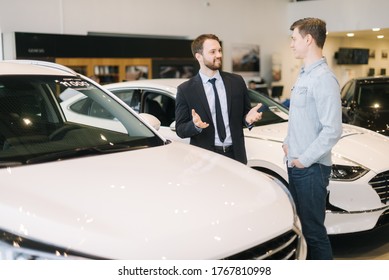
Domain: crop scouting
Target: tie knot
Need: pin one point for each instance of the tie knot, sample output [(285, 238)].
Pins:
[(212, 81)]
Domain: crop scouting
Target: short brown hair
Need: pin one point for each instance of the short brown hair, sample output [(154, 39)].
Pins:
[(314, 27), (197, 44)]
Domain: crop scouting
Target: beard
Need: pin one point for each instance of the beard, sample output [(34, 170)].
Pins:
[(214, 65)]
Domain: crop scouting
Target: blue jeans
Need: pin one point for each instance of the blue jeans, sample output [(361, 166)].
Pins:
[(308, 187)]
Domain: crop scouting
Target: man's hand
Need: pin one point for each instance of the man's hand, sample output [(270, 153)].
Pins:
[(285, 148), (197, 120), (253, 115), (296, 163)]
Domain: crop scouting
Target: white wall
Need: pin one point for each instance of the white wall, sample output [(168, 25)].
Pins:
[(244, 21), (262, 22), (340, 15)]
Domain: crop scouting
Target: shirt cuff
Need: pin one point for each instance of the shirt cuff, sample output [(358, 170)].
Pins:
[(199, 129), (249, 126)]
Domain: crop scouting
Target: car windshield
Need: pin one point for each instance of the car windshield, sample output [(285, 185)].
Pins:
[(36, 124), (374, 96), (273, 111)]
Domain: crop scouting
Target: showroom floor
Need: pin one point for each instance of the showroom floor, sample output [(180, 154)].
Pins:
[(371, 245)]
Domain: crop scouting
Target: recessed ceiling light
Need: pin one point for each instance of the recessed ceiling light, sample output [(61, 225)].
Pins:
[(380, 36), (350, 34), (376, 29)]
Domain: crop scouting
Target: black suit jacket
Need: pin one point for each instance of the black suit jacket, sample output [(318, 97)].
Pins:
[(191, 95)]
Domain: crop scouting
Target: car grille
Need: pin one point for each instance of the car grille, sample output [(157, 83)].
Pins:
[(384, 219), (284, 247), (380, 184)]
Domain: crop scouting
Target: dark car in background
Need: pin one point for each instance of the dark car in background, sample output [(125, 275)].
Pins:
[(365, 103)]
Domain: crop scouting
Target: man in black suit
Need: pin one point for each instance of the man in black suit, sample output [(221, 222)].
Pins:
[(197, 112)]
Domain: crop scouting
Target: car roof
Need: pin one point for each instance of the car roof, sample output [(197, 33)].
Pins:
[(372, 79), (33, 67), (168, 84)]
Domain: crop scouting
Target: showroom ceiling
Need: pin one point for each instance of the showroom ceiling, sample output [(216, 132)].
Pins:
[(363, 34)]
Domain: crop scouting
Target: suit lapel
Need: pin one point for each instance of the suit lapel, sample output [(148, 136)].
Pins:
[(228, 87), (203, 98)]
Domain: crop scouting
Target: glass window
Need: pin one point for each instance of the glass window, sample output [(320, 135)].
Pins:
[(273, 113), (45, 118), (159, 105)]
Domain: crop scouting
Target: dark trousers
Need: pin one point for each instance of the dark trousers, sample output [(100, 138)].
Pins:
[(308, 187), (229, 152)]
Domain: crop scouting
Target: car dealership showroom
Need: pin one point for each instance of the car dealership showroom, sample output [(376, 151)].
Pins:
[(91, 164)]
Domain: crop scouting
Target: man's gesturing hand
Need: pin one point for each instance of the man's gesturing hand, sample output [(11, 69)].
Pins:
[(197, 120)]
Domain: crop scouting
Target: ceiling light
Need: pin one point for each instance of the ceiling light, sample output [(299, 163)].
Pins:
[(380, 36), (376, 29), (350, 34)]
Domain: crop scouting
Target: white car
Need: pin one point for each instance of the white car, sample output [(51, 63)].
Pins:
[(359, 188), (82, 186)]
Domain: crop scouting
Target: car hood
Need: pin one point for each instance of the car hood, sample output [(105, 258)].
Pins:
[(372, 148), (168, 202), (365, 147)]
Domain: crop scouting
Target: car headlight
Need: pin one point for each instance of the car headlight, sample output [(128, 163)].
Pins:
[(347, 172), (14, 247)]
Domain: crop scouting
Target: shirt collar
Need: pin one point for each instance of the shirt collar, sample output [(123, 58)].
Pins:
[(205, 78), (313, 66)]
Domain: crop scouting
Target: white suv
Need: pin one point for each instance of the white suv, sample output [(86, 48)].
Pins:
[(106, 185)]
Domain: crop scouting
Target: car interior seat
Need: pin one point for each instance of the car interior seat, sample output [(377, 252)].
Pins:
[(154, 108), (169, 106)]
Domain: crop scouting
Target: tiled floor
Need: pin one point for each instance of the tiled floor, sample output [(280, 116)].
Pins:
[(371, 245)]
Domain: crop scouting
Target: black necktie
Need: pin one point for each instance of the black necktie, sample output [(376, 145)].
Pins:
[(221, 129)]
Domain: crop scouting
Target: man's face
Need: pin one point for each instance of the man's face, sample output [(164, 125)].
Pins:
[(298, 44), (212, 55)]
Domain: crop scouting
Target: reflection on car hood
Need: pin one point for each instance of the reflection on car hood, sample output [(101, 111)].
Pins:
[(170, 202), (273, 132), (365, 147), (357, 144)]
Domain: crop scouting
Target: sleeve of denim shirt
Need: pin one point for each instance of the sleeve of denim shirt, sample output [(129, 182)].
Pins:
[(326, 92)]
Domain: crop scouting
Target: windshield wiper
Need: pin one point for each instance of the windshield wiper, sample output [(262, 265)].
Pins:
[(81, 152)]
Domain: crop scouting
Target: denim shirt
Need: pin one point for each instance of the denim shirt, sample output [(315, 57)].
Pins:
[(315, 116)]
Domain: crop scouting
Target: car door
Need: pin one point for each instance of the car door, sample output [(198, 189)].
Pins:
[(157, 103)]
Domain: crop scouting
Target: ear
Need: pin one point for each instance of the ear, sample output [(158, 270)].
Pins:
[(308, 39)]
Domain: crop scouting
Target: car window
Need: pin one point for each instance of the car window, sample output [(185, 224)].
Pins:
[(159, 105), (274, 112), (374, 96), (45, 117), (345, 89), (349, 94), (89, 107), (132, 97)]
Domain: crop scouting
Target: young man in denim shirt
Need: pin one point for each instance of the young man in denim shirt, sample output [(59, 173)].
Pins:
[(315, 126)]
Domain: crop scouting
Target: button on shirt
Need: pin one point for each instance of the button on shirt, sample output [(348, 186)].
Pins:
[(223, 103), (315, 118)]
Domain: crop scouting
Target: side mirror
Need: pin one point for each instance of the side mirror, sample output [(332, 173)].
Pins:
[(151, 120), (173, 126)]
